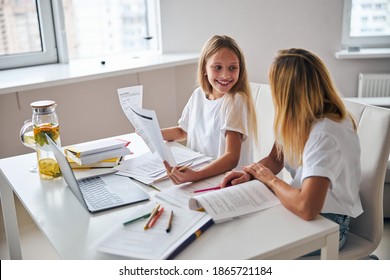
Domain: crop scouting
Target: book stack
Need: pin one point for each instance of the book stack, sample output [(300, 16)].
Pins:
[(95, 154)]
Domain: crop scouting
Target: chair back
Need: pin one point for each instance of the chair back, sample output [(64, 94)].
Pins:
[(265, 111), (374, 135)]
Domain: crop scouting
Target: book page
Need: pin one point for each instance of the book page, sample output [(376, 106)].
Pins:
[(130, 97), (235, 201), (179, 195), (133, 241)]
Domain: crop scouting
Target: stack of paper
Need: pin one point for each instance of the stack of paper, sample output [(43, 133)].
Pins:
[(149, 167), (95, 151), (133, 241)]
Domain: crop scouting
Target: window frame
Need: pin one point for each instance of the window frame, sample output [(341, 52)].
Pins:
[(360, 42), (53, 36), (48, 42)]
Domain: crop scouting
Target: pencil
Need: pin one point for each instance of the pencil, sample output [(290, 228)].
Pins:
[(154, 212), (170, 222), (153, 187), (136, 219), (156, 217)]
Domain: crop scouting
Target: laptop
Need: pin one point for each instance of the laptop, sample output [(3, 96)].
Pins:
[(102, 192)]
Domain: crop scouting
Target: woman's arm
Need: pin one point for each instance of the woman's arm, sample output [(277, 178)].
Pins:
[(306, 202), (173, 134), (272, 161)]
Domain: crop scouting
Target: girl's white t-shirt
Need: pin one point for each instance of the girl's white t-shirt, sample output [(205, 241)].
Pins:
[(206, 122), (333, 151)]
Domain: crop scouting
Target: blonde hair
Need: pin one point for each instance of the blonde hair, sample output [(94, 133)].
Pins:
[(242, 87), (303, 92)]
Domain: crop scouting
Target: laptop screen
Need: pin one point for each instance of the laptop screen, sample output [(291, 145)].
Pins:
[(66, 171)]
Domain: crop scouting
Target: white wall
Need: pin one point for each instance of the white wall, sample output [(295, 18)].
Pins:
[(90, 110), (262, 27)]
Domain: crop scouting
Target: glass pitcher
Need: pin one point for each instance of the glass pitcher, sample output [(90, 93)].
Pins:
[(44, 122)]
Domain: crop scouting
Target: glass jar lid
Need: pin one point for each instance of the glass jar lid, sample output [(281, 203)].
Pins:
[(43, 106)]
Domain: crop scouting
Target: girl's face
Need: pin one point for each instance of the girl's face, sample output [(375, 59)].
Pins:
[(222, 70)]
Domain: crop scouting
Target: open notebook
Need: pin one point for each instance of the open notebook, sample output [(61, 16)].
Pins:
[(102, 192)]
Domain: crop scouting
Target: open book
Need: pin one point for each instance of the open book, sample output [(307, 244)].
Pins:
[(221, 204), (235, 201), (131, 240)]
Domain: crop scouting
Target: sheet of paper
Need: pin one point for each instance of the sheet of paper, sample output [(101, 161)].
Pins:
[(132, 97), (133, 241), (232, 202), (149, 167), (149, 122)]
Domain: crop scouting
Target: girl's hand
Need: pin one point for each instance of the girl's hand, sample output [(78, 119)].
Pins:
[(234, 178), (260, 172), (180, 174)]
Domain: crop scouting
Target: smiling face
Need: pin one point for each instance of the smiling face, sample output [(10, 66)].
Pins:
[(222, 71)]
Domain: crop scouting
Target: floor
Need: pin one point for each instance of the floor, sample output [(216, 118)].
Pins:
[(36, 247)]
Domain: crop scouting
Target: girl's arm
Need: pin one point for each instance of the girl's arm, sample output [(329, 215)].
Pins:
[(173, 134), (220, 165)]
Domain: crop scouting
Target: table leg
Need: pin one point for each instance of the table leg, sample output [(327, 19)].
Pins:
[(331, 250), (10, 218)]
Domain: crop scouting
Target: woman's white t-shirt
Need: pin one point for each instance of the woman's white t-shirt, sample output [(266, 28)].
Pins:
[(333, 151), (206, 122)]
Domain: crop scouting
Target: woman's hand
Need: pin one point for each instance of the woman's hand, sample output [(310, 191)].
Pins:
[(261, 173), (234, 177), (180, 174)]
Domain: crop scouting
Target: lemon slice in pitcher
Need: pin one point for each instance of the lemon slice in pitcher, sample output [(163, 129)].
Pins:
[(49, 167)]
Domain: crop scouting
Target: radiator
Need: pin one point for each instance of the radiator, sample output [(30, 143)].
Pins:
[(374, 85)]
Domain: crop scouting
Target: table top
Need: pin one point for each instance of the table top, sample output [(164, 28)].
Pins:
[(75, 233)]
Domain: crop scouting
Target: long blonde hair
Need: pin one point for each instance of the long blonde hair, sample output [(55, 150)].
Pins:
[(303, 92), (242, 87)]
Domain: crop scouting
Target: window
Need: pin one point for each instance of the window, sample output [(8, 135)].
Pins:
[(105, 27), (34, 32), (22, 27), (366, 24)]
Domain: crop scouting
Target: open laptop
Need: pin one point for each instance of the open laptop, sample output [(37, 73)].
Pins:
[(102, 192)]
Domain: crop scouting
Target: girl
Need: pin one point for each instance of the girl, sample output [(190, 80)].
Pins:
[(316, 141), (219, 119)]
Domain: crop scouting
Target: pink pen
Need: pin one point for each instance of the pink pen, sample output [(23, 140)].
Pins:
[(209, 189)]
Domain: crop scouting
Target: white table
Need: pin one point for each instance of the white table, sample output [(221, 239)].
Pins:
[(274, 233)]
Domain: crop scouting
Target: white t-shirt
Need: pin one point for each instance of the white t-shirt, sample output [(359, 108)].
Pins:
[(333, 151), (206, 122)]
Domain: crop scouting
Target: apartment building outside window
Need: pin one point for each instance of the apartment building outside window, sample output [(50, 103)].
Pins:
[(366, 23), (35, 32)]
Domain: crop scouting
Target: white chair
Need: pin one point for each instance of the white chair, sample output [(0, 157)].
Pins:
[(265, 111), (374, 133)]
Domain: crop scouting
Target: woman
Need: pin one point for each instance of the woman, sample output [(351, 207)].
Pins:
[(316, 141)]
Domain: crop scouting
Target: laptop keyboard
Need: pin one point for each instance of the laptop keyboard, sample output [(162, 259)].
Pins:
[(95, 192)]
